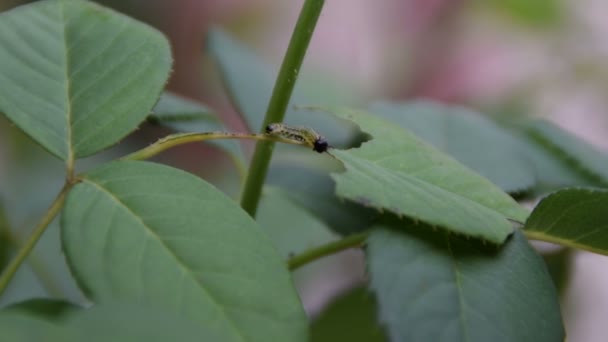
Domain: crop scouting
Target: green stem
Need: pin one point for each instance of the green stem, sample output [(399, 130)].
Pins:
[(351, 241), (186, 138), (572, 243), (279, 101), (25, 250)]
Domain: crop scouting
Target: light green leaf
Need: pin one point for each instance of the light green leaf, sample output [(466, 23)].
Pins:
[(78, 77), (470, 138), (572, 217), (290, 226), (183, 115), (249, 82), (350, 317), (150, 233), (434, 287), (577, 153), (397, 172)]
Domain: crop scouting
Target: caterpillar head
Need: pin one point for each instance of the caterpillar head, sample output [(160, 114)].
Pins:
[(320, 145)]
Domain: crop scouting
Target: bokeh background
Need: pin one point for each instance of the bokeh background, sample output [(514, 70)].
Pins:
[(539, 58)]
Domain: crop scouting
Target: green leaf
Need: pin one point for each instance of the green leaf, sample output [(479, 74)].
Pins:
[(314, 190), (135, 323), (172, 108), (291, 227), (469, 137), (249, 82), (107, 322), (19, 327), (397, 172), (150, 233), (577, 153), (183, 115), (350, 317), (552, 172), (434, 287), (44, 307), (560, 266), (572, 217), (78, 77)]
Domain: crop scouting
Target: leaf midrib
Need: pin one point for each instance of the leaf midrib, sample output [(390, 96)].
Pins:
[(182, 265), (69, 150)]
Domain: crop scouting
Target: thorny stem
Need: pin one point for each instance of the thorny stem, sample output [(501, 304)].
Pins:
[(279, 101)]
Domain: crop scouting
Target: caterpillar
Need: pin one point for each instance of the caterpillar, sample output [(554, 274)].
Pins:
[(303, 135)]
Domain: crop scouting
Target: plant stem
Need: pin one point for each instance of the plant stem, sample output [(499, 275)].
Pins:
[(565, 242), (279, 101), (25, 250), (185, 138), (351, 241)]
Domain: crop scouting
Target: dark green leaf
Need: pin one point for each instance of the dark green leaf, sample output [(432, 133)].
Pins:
[(577, 153), (572, 217), (313, 189), (291, 227), (552, 172), (150, 233), (472, 139), (350, 317), (183, 115), (434, 287), (44, 307), (249, 82), (559, 265), (78, 77), (397, 172)]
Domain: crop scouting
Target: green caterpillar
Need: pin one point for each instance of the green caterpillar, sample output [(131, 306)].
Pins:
[(303, 135)]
